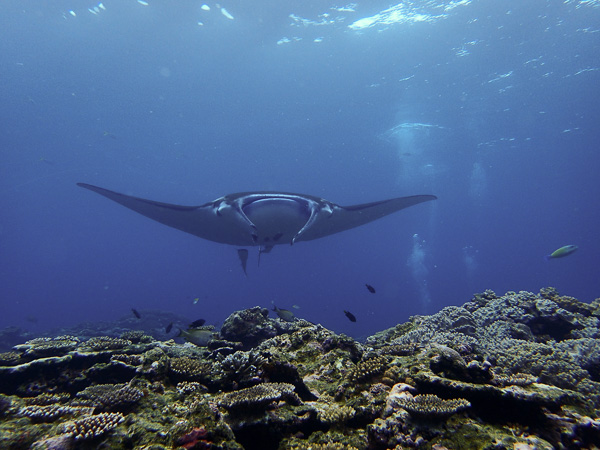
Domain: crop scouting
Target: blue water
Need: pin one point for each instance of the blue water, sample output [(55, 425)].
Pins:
[(491, 106)]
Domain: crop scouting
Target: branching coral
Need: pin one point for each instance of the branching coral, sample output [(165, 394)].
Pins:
[(93, 426), (242, 364), (259, 396), (109, 397), (130, 360), (136, 336), (335, 414), (46, 399), (47, 413), (368, 368), (188, 387), (407, 349), (9, 358), (188, 367), (429, 405), (101, 343), (518, 379), (329, 446), (40, 347)]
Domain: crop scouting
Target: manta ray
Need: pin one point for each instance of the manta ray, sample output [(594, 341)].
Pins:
[(262, 219)]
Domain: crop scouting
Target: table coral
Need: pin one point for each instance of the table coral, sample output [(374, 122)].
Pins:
[(93, 426)]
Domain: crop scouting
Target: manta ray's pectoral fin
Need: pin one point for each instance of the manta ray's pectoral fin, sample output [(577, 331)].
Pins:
[(226, 226), (233, 210), (316, 210), (347, 217)]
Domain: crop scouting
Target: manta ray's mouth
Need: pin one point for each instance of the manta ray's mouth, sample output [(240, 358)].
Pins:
[(277, 219)]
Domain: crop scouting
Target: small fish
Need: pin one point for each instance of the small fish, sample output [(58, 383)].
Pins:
[(226, 13), (284, 314), (370, 288), (561, 252), (351, 317), (197, 323), (169, 328), (295, 306), (196, 300), (136, 313), (243, 255), (198, 336)]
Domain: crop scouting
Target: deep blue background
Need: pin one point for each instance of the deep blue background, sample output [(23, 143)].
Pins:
[(492, 106)]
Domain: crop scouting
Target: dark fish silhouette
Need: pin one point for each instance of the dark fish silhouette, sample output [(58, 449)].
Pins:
[(136, 314), (351, 317), (197, 323), (243, 255), (169, 328), (370, 288)]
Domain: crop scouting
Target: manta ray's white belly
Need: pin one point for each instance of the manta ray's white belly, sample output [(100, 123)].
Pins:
[(277, 220)]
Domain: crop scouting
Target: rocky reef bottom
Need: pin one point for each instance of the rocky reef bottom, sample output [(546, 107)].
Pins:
[(518, 371)]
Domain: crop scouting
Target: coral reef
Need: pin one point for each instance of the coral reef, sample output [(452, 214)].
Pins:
[(514, 371), (93, 426), (259, 396), (110, 397), (430, 405)]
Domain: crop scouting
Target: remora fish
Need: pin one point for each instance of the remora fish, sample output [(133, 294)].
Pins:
[(561, 252), (243, 255)]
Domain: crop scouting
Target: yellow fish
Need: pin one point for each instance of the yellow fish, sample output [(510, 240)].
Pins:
[(561, 252)]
